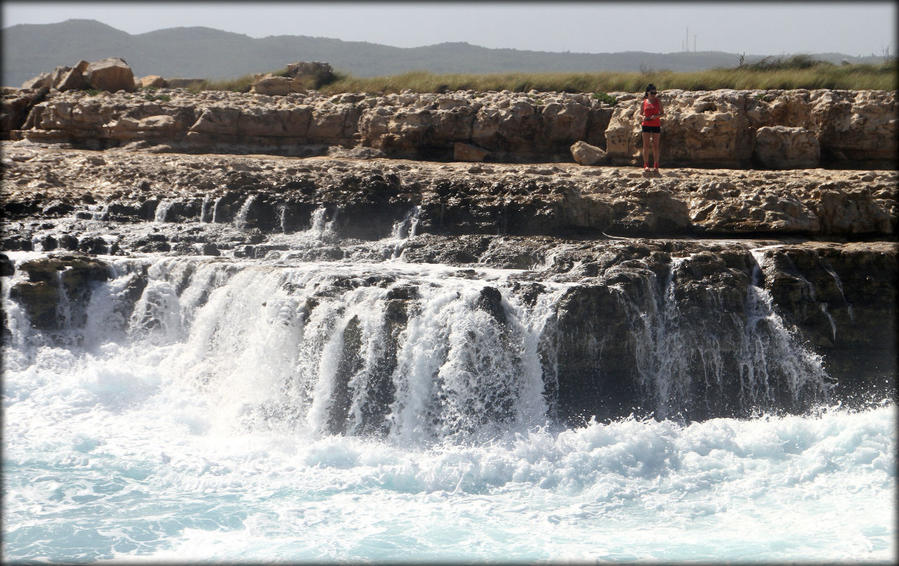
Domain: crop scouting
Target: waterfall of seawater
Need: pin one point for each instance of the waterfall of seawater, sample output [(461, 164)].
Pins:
[(687, 365), (319, 346), (280, 410)]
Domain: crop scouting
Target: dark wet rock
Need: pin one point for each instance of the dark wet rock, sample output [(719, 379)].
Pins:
[(491, 301), (18, 243), (843, 301), (57, 208), (93, 245), (68, 242), (48, 243), (58, 289), (209, 249), (7, 266)]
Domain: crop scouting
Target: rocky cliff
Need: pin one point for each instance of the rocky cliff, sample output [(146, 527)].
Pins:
[(766, 129)]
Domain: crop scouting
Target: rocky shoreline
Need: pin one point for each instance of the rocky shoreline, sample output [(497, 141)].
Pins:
[(221, 177), (454, 198)]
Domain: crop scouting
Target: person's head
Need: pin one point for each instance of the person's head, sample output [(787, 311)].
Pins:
[(650, 89)]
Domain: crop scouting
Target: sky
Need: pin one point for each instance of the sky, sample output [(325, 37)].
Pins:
[(756, 28)]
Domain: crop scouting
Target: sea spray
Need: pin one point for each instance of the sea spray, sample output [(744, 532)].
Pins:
[(194, 418)]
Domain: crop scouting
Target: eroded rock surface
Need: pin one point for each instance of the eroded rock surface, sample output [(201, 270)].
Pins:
[(773, 129), (454, 198)]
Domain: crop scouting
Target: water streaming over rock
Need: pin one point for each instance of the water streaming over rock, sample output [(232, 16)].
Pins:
[(256, 408)]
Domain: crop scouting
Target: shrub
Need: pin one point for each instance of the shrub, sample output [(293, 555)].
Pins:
[(161, 97), (605, 98)]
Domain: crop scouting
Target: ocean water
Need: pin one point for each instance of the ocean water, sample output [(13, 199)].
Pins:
[(199, 428)]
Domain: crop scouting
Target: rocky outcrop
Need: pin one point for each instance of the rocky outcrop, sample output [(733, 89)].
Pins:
[(17, 103), (458, 198), (725, 128), (110, 74), (783, 147), (58, 289), (296, 78), (73, 79)]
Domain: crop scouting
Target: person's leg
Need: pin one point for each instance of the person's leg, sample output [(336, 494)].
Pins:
[(646, 145), (656, 142)]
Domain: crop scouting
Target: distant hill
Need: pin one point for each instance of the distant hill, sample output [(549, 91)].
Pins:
[(199, 52)]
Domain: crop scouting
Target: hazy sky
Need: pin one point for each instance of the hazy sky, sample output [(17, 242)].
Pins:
[(759, 28)]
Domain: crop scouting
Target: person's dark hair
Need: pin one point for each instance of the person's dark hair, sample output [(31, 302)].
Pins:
[(649, 88)]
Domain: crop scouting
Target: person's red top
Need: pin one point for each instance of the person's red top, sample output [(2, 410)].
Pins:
[(651, 111)]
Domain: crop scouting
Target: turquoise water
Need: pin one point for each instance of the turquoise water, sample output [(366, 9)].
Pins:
[(176, 441)]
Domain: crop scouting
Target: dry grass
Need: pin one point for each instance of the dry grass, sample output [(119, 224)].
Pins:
[(851, 77), (798, 72)]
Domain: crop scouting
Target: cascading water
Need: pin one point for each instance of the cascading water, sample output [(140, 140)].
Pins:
[(162, 210), (685, 367), (284, 410)]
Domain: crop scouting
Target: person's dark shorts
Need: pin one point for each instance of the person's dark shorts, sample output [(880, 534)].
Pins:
[(653, 129)]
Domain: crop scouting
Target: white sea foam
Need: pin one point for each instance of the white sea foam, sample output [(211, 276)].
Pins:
[(174, 435)]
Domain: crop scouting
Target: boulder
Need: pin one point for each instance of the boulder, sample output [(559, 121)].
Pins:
[(7, 266), (110, 74), (784, 147), (44, 80), (152, 81), (273, 85), (586, 154), (52, 278), (311, 74), (468, 152), (15, 107), (73, 79), (58, 73)]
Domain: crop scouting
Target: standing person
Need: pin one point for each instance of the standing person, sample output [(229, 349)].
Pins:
[(651, 110)]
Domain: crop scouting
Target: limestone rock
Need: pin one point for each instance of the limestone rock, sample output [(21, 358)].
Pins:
[(586, 154), (298, 77), (705, 129), (44, 80), (275, 86), (110, 74), (153, 81), (784, 147), (15, 107), (856, 126), (73, 79), (718, 129), (468, 152)]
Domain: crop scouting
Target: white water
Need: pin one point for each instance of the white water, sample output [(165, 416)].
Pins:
[(198, 428)]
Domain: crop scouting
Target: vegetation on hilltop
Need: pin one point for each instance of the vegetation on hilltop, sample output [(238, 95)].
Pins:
[(796, 72)]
